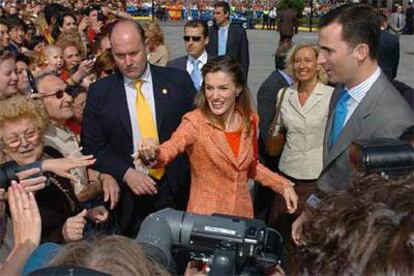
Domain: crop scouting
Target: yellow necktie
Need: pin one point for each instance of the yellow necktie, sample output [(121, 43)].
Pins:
[(146, 122)]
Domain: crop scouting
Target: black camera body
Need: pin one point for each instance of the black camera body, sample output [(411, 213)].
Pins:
[(8, 173), (230, 245)]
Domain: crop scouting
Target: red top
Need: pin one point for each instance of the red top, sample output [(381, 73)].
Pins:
[(233, 137)]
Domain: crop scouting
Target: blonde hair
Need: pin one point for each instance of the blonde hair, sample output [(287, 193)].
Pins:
[(21, 107), (154, 33), (116, 255), (290, 60), (71, 39)]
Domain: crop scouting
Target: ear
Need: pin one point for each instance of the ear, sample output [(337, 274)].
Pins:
[(361, 52), (207, 40)]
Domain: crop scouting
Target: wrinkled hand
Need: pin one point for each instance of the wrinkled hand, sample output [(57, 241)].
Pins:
[(105, 10), (297, 229), (83, 24), (98, 214), (148, 149), (31, 184), (25, 216), (140, 183), (74, 226), (110, 189), (61, 166), (291, 199)]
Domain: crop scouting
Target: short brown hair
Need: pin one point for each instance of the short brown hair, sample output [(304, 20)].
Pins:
[(116, 255)]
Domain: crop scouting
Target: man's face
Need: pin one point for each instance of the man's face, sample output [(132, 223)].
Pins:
[(71, 57), (128, 50), (220, 16), (196, 43), (336, 56), (58, 105), (17, 35)]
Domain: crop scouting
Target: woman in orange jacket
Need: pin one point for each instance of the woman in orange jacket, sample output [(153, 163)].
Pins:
[(220, 140)]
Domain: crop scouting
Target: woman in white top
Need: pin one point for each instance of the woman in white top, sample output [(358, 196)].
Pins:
[(303, 116)]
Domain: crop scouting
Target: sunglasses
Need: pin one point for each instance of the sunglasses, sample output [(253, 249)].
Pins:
[(193, 38), (58, 94)]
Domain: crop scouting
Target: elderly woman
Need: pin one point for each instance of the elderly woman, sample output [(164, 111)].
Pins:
[(22, 124), (157, 51), (220, 140), (303, 116)]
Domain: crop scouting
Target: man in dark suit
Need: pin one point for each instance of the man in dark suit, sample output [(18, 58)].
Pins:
[(266, 106), (228, 39), (365, 104), (139, 101), (195, 41), (288, 24), (388, 50)]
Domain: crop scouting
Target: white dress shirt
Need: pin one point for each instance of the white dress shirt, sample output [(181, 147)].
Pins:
[(131, 95), (359, 92)]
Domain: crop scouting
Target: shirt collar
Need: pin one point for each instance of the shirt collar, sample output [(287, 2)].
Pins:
[(358, 92), (146, 77), (287, 78), (202, 58)]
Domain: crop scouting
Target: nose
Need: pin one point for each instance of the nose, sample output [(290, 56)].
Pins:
[(321, 58), (14, 76), (128, 60)]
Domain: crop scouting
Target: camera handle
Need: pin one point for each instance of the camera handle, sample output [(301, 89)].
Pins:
[(224, 262)]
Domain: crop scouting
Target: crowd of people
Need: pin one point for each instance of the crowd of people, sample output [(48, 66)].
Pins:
[(100, 127)]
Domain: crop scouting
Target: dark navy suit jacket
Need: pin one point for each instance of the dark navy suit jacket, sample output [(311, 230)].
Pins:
[(389, 54), (237, 44)]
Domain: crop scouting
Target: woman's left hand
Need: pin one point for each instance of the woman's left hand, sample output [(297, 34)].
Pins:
[(25, 216), (98, 214), (291, 199)]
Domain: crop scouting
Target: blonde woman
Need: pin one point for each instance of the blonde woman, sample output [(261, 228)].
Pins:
[(303, 116), (157, 51)]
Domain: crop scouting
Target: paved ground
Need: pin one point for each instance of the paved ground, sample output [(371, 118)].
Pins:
[(262, 47)]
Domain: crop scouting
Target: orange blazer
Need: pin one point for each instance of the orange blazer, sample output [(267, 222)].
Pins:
[(218, 177)]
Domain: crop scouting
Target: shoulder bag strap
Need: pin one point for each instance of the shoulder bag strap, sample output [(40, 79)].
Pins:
[(277, 112)]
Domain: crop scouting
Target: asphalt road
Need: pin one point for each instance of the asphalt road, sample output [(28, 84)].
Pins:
[(262, 46)]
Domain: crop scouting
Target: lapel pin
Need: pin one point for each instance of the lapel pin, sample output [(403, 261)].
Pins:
[(164, 91)]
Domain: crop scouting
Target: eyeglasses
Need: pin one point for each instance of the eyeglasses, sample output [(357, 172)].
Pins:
[(58, 94), (15, 140), (187, 38)]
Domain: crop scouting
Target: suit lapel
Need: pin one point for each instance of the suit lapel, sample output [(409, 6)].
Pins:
[(314, 99), (353, 127), (120, 104), (219, 140), (160, 90), (229, 39)]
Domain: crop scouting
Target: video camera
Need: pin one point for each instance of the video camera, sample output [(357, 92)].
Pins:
[(229, 245), (384, 155)]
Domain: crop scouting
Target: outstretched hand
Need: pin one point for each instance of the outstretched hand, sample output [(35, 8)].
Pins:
[(148, 149), (61, 166)]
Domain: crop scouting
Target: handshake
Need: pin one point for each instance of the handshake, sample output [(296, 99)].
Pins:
[(147, 154)]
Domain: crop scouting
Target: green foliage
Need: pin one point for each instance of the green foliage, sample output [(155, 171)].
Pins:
[(297, 5)]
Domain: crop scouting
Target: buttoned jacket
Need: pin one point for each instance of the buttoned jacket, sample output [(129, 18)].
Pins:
[(305, 127)]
